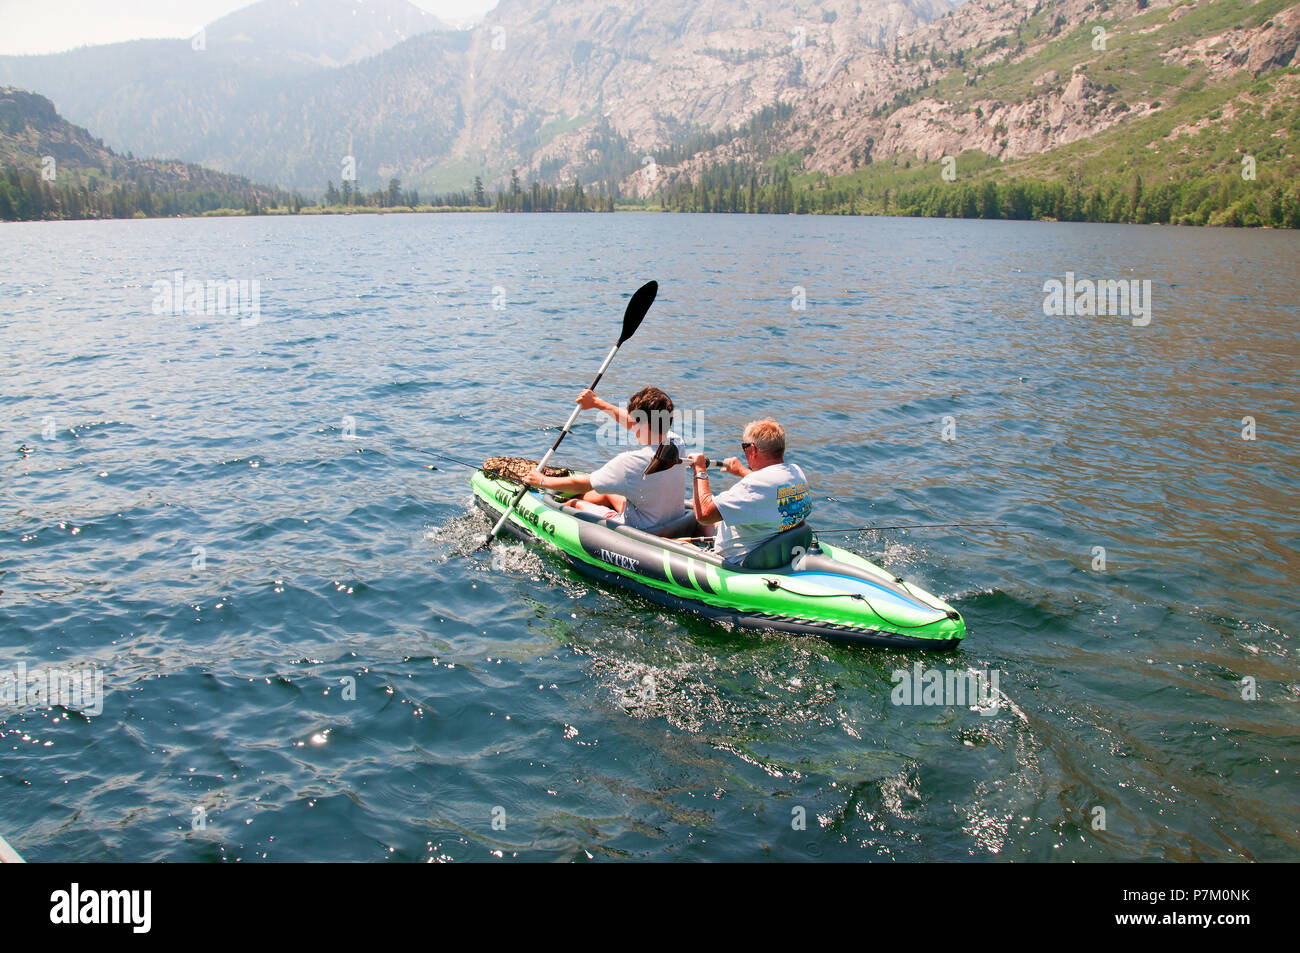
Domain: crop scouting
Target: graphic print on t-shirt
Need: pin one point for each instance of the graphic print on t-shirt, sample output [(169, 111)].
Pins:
[(768, 501), (792, 502)]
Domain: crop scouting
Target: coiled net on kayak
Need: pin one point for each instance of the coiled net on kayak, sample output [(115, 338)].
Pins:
[(515, 468)]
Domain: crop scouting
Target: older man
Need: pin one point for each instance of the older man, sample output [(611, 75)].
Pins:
[(771, 497)]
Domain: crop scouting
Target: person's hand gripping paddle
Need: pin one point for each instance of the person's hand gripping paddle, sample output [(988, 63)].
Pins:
[(632, 318)]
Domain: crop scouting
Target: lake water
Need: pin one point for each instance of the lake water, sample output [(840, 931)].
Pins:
[(300, 662)]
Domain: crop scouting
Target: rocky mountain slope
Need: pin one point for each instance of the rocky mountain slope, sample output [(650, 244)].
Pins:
[(1011, 81), (645, 101), (529, 87)]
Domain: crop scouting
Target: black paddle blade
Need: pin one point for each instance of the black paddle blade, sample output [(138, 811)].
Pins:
[(637, 308)]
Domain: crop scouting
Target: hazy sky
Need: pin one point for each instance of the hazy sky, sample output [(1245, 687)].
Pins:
[(47, 26)]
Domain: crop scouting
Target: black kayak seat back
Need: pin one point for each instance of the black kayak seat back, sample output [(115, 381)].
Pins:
[(777, 551), (678, 526)]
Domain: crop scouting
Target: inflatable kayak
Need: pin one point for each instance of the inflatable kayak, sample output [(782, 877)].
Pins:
[(791, 583)]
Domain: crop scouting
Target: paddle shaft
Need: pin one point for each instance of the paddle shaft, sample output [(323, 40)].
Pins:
[(577, 409)]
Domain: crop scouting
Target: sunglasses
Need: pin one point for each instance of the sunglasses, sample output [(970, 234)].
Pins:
[(746, 446)]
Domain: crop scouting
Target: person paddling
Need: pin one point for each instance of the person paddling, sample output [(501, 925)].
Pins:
[(622, 490), (771, 497)]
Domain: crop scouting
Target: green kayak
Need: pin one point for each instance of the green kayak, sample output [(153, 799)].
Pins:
[(791, 583)]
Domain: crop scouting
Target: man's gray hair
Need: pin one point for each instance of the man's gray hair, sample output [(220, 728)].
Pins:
[(767, 435)]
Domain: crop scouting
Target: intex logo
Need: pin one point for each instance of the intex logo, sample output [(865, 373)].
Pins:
[(103, 906), (618, 559)]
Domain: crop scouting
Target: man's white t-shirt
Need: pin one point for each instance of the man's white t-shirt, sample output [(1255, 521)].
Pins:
[(651, 499), (761, 505)]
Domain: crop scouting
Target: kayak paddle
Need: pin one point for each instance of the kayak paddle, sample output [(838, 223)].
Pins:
[(632, 318)]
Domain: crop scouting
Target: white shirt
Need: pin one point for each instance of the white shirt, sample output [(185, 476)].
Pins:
[(651, 499), (761, 505)]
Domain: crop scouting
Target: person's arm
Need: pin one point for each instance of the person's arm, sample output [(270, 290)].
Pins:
[(576, 484), (733, 466), (706, 511), (588, 400)]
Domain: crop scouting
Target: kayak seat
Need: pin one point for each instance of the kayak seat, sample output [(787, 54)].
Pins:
[(684, 525), (778, 550)]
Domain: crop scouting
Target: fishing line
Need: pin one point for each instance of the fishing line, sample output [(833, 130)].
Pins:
[(863, 529), (437, 454)]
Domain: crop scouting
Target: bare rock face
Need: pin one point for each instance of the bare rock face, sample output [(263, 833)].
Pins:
[(652, 72), (1270, 46), (1078, 89), (863, 113), (1275, 44), (930, 129)]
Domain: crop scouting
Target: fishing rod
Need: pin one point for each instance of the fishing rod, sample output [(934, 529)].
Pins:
[(861, 529), (439, 455), (864, 529)]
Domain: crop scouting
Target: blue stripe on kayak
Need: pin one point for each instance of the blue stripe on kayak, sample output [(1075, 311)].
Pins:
[(871, 590)]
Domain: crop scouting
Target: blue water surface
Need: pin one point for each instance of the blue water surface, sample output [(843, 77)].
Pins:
[(228, 516)]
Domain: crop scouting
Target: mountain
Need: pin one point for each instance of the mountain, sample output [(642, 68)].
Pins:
[(529, 87), (47, 162), (1039, 81), (833, 105), (162, 97), (284, 35), (1134, 111)]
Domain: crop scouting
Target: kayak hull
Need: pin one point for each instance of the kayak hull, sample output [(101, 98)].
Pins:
[(829, 593)]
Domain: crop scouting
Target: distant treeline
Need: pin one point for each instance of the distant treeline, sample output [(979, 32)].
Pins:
[(1228, 200), (735, 188), (391, 197), (516, 198), (25, 196), (545, 198)]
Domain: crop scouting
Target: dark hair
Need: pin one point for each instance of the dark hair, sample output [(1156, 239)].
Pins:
[(653, 406)]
